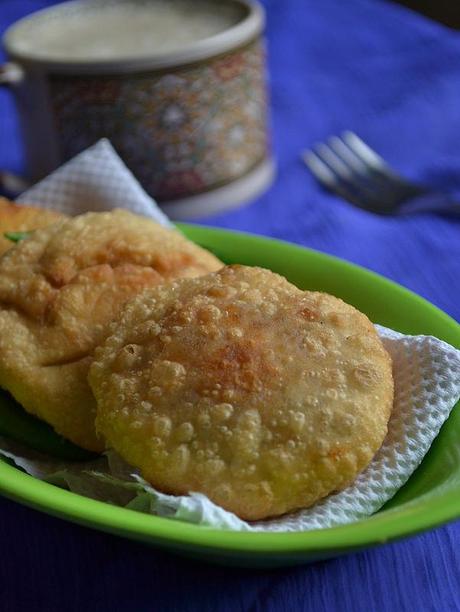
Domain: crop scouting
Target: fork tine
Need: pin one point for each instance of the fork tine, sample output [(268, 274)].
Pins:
[(330, 157), (350, 168), (367, 191), (364, 152), (325, 175), (320, 170), (393, 187), (383, 189), (347, 155), (354, 172)]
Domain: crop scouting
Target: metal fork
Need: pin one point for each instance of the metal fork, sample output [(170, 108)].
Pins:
[(348, 167)]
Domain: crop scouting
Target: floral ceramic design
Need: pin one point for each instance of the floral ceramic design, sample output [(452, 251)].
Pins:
[(182, 132)]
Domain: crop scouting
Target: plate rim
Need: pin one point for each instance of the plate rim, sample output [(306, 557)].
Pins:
[(383, 527)]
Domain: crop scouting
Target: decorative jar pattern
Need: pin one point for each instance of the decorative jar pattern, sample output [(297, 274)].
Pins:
[(182, 131)]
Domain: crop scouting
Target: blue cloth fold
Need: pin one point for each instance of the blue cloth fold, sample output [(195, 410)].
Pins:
[(393, 77)]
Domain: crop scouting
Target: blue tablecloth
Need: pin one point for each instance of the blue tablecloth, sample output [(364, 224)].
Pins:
[(394, 78)]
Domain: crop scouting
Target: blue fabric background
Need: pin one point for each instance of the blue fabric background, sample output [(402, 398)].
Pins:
[(394, 78)]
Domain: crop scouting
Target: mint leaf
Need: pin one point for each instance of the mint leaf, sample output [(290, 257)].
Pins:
[(16, 236)]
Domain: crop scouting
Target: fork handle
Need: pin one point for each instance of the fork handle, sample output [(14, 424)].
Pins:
[(434, 202)]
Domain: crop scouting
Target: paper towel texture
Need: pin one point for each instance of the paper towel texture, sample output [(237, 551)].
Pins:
[(95, 180)]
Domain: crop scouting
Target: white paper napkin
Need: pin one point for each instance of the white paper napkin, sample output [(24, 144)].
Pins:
[(426, 372), (95, 180)]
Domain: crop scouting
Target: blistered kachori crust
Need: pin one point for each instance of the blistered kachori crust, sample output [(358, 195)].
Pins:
[(60, 289), (238, 385)]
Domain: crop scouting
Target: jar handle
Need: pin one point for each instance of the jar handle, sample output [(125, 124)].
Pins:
[(11, 184), (10, 73)]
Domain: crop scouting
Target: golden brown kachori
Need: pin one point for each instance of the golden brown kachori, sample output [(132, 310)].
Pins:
[(241, 386), (60, 289)]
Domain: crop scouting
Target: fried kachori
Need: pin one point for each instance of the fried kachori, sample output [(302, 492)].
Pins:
[(60, 288), (241, 386)]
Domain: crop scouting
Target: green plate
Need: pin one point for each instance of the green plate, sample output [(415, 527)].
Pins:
[(431, 496)]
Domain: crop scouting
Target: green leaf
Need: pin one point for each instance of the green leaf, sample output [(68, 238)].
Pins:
[(16, 236)]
